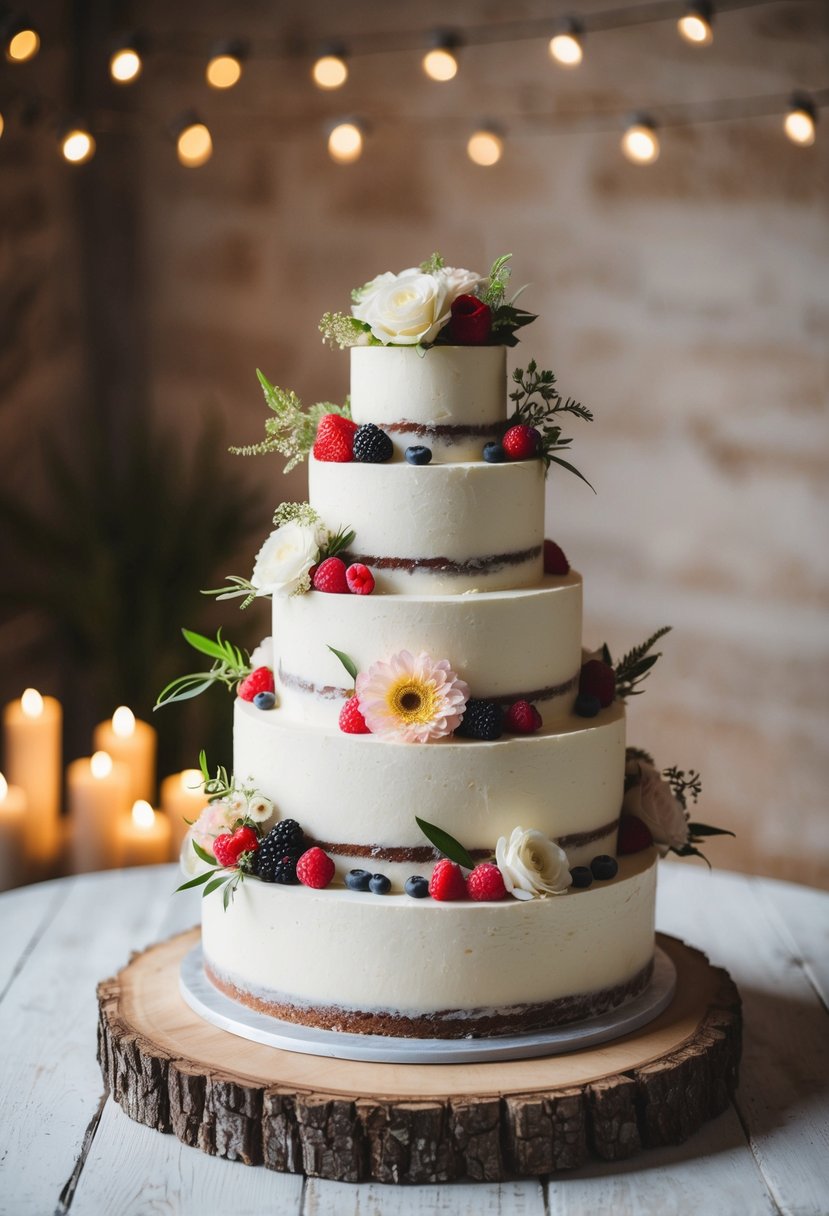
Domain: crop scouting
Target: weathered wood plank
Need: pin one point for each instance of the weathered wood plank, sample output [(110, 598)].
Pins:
[(801, 916), (24, 914), (443, 1199)]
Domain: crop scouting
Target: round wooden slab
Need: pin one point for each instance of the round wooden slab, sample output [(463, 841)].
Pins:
[(350, 1121)]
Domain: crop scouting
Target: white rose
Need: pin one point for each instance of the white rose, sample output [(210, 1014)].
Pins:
[(531, 864), (405, 309), (362, 295), (459, 282), (263, 654), (283, 562), (260, 808), (652, 800)]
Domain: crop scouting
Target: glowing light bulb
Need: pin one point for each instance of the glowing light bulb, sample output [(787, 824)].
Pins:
[(31, 703), (2, 125), (640, 143), (125, 65), (440, 63), (485, 148), (77, 146), (194, 145), (190, 779), (345, 143), (223, 71), (695, 23), (143, 815), (801, 120), (4, 788), (123, 722), (329, 72), (100, 765), (23, 45), (566, 46)]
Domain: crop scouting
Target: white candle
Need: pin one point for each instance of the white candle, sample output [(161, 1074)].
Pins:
[(12, 835), (98, 791), (32, 738), (132, 742), (144, 836), (183, 798)]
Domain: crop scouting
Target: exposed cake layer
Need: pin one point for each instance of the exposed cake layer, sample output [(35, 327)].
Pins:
[(453, 399), (358, 795), (437, 529), (393, 965), (507, 645)]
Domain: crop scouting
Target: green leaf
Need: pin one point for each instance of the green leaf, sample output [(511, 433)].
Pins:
[(198, 880), (705, 829), (183, 688), (572, 469), (446, 844), (214, 885), (203, 854), (347, 662), (688, 850)]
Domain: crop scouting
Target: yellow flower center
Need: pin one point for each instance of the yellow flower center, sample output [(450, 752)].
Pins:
[(412, 700)]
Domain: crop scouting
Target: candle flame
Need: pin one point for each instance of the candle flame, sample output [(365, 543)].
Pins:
[(101, 765), (143, 815), (123, 722), (191, 781), (32, 703), (4, 788)]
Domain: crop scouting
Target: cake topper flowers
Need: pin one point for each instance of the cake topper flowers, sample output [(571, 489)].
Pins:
[(411, 699)]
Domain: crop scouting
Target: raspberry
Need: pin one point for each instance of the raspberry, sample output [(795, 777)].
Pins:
[(360, 579), (371, 445), (597, 679), (227, 848), (447, 881), (335, 438), (486, 882), (259, 680), (315, 869), (633, 835), (520, 442), (554, 560), (330, 576), (351, 720), (280, 851), (481, 720), (522, 718)]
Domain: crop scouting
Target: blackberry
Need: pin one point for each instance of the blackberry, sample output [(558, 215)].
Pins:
[(371, 445), (482, 720), (280, 851)]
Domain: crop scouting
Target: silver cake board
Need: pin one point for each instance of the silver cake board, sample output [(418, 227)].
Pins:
[(219, 1010)]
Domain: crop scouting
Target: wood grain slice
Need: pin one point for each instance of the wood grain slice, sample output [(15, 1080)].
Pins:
[(353, 1121)]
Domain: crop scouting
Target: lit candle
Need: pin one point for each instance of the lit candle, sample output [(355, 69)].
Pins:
[(98, 791), (12, 835), (183, 798), (144, 837), (32, 738), (133, 743)]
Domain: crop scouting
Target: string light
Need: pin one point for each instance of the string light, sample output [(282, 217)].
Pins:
[(225, 67), (485, 147), (2, 126), (22, 42), (640, 143), (345, 142), (330, 70), (125, 62), (567, 45), (194, 143), (695, 23), (440, 63), (77, 145), (801, 120)]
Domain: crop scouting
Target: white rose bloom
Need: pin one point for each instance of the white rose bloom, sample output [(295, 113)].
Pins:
[(652, 800), (260, 808), (283, 562), (531, 864), (363, 294), (262, 656), (459, 282)]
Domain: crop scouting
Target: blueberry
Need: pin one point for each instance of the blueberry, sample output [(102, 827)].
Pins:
[(417, 887), (494, 453), (604, 866), (379, 884), (582, 876), (418, 454), (264, 700), (358, 880), (587, 706)]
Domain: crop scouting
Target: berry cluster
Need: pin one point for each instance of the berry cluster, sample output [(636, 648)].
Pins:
[(520, 442), (340, 440), (601, 868), (334, 577), (258, 687), (597, 688), (488, 720)]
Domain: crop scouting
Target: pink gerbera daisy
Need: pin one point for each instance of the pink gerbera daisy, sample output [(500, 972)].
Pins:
[(412, 699)]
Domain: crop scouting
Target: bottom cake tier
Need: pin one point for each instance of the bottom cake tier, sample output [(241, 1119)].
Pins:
[(390, 965)]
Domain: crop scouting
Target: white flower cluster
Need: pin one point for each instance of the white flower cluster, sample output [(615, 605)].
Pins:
[(413, 306), (217, 818)]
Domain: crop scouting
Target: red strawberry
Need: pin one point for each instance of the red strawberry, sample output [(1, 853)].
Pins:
[(259, 680), (352, 721), (634, 835), (315, 869), (522, 719), (554, 560), (486, 883), (447, 881), (227, 848), (520, 442), (360, 579), (335, 437), (596, 679), (330, 576)]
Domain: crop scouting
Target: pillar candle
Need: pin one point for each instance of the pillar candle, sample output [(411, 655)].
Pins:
[(98, 792), (12, 835), (183, 798), (143, 836), (32, 740), (131, 742)]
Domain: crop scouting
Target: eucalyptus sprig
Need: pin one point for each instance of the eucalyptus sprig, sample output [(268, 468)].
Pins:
[(218, 877), (231, 665), (293, 429), (537, 402), (633, 667), (237, 587), (215, 787)]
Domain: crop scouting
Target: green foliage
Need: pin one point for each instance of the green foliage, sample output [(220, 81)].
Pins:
[(231, 665), (347, 662), (632, 669), (237, 586), (340, 330), (337, 542), (496, 285), (296, 512), (446, 844), (434, 263), (537, 403), (292, 430), (214, 787)]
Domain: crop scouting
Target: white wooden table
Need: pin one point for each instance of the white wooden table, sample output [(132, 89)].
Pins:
[(66, 1147)]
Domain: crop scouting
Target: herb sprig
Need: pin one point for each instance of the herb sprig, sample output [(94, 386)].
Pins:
[(636, 665), (293, 429), (537, 403), (230, 666)]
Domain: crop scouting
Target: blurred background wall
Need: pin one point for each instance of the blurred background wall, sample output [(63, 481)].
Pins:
[(684, 301)]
